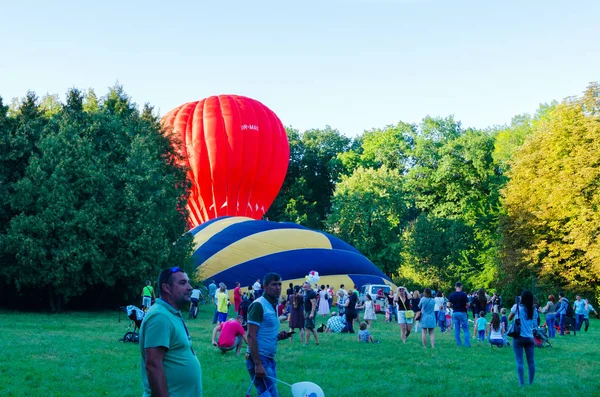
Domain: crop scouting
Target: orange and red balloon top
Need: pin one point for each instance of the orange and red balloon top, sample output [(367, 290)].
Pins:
[(237, 153)]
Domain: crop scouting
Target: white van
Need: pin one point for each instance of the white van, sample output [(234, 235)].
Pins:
[(373, 289)]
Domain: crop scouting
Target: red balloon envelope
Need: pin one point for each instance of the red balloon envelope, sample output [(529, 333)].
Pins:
[(237, 152)]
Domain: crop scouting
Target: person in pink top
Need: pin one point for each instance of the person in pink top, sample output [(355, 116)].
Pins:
[(230, 335), (237, 297)]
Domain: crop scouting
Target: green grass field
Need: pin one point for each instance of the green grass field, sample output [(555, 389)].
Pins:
[(79, 354)]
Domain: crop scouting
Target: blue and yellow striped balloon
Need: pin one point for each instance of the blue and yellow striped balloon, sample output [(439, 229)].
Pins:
[(240, 249)]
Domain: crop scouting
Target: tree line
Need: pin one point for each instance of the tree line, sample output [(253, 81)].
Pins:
[(504, 208), (92, 199)]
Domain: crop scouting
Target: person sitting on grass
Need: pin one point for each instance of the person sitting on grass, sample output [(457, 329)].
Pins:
[(496, 331), (231, 333), (336, 324), (364, 335), (481, 323)]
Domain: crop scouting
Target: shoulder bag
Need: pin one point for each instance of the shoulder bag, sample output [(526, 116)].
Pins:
[(514, 331), (408, 314)]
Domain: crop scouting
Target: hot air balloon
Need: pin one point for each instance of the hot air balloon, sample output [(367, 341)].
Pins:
[(237, 153), (241, 249)]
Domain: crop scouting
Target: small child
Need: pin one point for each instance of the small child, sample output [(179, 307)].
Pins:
[(364, 335), (441, 320), (481, 323), (448, 317), (504, 323)]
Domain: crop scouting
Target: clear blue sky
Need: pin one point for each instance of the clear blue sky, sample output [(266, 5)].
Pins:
[(354, 65)]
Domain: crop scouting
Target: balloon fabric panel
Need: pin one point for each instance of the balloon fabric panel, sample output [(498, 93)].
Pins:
[(236, 153), (263, 244), (290, 264), (225, 231)]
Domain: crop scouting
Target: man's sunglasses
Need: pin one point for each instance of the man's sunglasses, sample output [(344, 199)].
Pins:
[(176, 269)]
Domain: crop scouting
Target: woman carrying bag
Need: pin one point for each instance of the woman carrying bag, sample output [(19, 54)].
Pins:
[(526, 320)]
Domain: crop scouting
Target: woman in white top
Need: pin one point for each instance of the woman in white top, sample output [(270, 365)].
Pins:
[(496, 331)]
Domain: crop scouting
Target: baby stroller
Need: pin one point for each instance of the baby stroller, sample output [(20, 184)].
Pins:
[(569, 325), (540, 337), (136, 316)]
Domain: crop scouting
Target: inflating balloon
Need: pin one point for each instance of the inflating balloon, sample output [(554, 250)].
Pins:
[(231, 249), (237, 153)]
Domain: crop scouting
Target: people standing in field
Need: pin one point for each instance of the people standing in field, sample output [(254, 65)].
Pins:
[(263, 335), (310, 305), (237, 297), (427, 320), (369, 307), (212, 290), (392, 306), (405, 313), (297, 313), (561, 311), (579, 307), (440, 304), (481, 324), (169, 364), (323, 302), (460, 304), (341, 301), (586, 316), (147, 295), (414, 305), (528, 318), (550, 311), (222, 307), (480, 303), (350, 309)]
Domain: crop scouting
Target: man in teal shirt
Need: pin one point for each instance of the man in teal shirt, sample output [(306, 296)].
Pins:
[(169, 365), (263, 334)]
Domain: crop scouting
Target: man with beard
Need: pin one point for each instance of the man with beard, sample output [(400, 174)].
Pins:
[(169, 365)]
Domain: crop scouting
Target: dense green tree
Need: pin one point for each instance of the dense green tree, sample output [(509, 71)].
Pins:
[(312, 173), (378, 147), (550, 232), (99, 202), (454, 185), (367, 212)]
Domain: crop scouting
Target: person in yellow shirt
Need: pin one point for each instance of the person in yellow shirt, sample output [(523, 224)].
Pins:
[(222, 305), (147, 295)]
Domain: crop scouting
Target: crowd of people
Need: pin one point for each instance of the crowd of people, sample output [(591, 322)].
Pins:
[(262, 309)]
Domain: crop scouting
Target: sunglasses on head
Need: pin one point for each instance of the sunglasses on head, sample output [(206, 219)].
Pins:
[(176, 269)]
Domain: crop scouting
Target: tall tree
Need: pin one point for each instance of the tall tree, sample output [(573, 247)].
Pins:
[(98, 205), (368, 208), (550, 232), (313, 171), (454, 184)]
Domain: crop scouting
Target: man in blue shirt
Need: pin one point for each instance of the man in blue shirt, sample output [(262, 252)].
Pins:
[(579, 307), (561, 310), (460, 304), (212, 289), (263, 334), (586, 316)]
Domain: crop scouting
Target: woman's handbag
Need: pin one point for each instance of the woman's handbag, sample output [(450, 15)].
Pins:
[(408, 314), (418, 315), (514, 331)]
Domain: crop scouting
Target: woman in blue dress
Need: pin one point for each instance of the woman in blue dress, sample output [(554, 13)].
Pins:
[(427, 320)]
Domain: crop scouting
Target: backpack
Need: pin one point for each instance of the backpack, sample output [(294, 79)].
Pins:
[(570, 312)]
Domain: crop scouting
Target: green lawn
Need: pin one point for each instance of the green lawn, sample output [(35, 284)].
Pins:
[(79, 354)]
